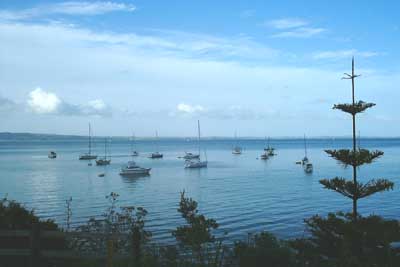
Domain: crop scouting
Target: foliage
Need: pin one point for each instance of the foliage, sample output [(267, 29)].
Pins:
[(359, 190), (14, 216), (265, 250), (355, 108), (196, 235), (338, 240), (354, 158)]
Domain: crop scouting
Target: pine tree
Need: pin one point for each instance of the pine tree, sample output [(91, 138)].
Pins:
[(355, 158)]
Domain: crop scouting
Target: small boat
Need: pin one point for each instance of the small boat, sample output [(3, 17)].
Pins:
[(134, 153), (189, 155), (270, 150), (308, 168), (264, 156), (304, 161), (52, 155), (104, 161), (88, 155), (237, 150), (156, 155), (132, 169), (196, 163)]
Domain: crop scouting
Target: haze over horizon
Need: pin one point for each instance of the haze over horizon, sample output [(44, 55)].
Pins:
[(138, 66)]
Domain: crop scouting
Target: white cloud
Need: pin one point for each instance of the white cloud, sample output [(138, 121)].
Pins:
[(302, 32), (286, 23), (43, 102), (67, 8), (340, 54), (189, 109)]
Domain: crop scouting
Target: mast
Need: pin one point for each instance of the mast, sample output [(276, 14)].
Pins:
[(157, 141), (198, 129), (305, 146), (90, 142)]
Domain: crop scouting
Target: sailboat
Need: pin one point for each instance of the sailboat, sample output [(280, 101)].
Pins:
[(269, 149), (307, 165), (237, 150), (88, 155), (197, 162), (156, 155), (134, 152), (104, 161)]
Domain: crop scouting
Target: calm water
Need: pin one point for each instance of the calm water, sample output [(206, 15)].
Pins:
[(242, 193)]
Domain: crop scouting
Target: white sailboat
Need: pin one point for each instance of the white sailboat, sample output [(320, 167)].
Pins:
[(237, 150), (104, 160), (307, 165), (197, 162), (134, 152), (88, 155), (156, 155)]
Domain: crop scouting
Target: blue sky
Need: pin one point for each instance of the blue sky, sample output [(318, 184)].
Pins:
[(256, 67)]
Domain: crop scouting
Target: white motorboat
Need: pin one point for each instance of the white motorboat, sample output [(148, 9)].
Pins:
[(52, 155), (189, 155), (104, 160), (308, 168), (132, 169), (88, 155), (196, 163)]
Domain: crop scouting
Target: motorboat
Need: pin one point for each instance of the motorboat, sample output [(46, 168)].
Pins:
[(88, 155), (156, 155), (189, 155), (132, 169), (52, 155)]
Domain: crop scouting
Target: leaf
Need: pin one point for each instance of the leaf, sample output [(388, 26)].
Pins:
[(354, 158), (358, 107)]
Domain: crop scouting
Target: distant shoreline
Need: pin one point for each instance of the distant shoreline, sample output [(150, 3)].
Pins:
[(41, 136)]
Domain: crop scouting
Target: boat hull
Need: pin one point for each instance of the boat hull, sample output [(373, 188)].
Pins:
[(196, 165), (102, 162), (87, 157), (139, 171)]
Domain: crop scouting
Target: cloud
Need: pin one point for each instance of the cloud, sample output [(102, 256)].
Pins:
[(71, 8), (286, 23), (340, 54), (293, 28), (188, 109), (43, 102), (302, 32)]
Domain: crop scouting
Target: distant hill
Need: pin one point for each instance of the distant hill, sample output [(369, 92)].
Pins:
[(34, 136)]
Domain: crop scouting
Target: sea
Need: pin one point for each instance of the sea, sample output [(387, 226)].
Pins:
[(244, 194)]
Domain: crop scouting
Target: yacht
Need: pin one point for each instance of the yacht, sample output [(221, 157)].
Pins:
[(88, 155), (156, 155), (270, 150), (264, 156), (304, 161), (189, 155), (196, 162), (134, 152), (308, 168), (132, 169), (52, 155), (104, 161), (237, 150)]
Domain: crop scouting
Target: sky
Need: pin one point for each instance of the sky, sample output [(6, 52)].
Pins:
[(258, 68)]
